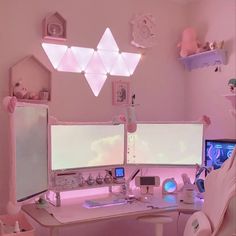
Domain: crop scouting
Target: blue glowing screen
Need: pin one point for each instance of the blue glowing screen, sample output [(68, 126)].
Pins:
[(119, 172), (217, 151), (170, 186)]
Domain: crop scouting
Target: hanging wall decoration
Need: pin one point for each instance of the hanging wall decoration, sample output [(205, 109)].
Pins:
[(54, 27), (120, 92), (144, 31)]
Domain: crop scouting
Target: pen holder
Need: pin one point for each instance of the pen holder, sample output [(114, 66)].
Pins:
[(188, 195)]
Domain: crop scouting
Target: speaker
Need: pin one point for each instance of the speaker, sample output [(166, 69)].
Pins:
[(200, 182)]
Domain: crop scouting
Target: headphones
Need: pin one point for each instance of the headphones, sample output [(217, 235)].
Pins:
[(200, 182)]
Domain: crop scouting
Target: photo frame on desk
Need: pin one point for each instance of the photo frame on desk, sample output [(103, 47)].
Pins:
[(120, 92)]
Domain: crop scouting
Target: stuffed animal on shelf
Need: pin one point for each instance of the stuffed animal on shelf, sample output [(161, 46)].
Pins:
[(19, 91), (189, 44), (232, 85)]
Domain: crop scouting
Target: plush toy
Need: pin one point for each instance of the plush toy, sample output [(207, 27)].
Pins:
[(9, 103), (232, 85), (19, 91), (189, 44)]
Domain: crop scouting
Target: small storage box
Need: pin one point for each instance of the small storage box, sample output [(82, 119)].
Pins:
[(9, 222)]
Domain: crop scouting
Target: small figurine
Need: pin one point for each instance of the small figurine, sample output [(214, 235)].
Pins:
[(16, 227), (189, 44), (232, 85), (213, 45), (216, 45)]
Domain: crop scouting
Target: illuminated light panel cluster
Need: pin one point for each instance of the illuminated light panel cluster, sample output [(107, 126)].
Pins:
[(96, 64)]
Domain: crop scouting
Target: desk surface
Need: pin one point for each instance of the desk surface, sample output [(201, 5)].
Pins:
[(73, 211)]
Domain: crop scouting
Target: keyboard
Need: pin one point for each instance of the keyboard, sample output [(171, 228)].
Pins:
[(104, 202)]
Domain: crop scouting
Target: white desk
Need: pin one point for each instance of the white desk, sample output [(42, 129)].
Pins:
[(49, 217)]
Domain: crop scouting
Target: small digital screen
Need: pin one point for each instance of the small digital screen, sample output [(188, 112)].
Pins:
[(217, 151), (119, 172), (147, 180)]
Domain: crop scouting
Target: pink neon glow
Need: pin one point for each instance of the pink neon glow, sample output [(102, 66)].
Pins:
[(55, 52), (108, 58), (83, 56), (95, 65), (96, 82), (69, 63), (131, 60), (120, 68), (107, 42)]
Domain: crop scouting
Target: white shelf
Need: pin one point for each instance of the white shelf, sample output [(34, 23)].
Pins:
[(203, 59)]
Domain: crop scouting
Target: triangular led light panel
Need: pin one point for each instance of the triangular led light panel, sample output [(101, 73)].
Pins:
[(69, 63), (120, 68), (131, 60), (95, 65), (96, 82), (108, 58), (107, 42), (82, 55), (55, 52)]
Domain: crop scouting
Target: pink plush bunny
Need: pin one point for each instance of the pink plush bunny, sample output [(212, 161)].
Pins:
[(189, 44), (9, 103)]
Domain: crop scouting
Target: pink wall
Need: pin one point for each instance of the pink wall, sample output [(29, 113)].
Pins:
[(153, 81), (163, 89), (205, 88)]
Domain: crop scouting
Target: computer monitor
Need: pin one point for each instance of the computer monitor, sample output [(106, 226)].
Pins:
[(217, 151), (81, 145), (30, 147), (166, 144)]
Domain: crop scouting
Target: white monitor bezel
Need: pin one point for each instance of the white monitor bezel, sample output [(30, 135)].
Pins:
[(168, 165), (55, 122)]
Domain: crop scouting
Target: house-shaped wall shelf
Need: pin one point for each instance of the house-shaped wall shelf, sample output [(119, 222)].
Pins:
[(208, 58), (54, 27), (30, 80)]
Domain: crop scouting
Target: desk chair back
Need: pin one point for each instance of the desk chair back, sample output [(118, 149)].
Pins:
[(219, 205)]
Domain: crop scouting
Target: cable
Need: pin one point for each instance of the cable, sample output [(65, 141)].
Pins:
[(178, 223)]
